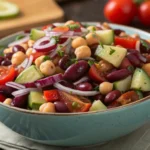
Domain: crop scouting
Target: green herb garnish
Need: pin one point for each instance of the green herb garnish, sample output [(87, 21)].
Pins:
[(56, 38), (74, 104), (101, 44), (111, 51), (73, 61), (130, 68), (90, 62), (46, 58), (19, 37), (145, 44), (93, 29), (60, 53), (73, 26), (96, 88), (1, 50)]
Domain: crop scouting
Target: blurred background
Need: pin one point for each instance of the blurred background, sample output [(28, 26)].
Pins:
[(129, 12)]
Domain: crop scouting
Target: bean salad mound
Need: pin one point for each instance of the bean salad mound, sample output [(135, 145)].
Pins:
[(74, 67)]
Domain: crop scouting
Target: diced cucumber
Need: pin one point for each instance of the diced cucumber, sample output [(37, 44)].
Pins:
[(123, 85), (30, 74), (106, 36), (35, 100), (140, 80), (8, 9), (36, 34), (112, 54), (97, 105)]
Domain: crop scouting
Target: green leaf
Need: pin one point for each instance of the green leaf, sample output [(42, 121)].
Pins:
[(145, 44), (46, 58), (90, 62), (73, 26), (19, 37), (60, 53), (111, 51), (56, 38), (73, 61), (96, 88)]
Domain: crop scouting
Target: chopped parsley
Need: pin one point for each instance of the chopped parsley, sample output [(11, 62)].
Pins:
[(111, 51), (73, 61), (19, 37), (145, 44), (46, 58), (73, 26), (90, 62), (101, 44), (96, 88), (56, 38), (60, 53)]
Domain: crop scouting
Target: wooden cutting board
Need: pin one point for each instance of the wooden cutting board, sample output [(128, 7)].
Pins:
[(33, 13)]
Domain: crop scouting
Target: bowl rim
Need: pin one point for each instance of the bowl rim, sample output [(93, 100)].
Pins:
[(34, 112)]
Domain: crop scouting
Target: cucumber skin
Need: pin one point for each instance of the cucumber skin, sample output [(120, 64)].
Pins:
[(97, 105)]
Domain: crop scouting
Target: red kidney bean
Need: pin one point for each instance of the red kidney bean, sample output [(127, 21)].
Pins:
[(85, 86), (6, 62), (76, 71), (8, 55), (1, 59), (118, 75), (99, 97), (112, 96), (61, 106), (17, 48), (134, 60), (64, 62), (67, 84)]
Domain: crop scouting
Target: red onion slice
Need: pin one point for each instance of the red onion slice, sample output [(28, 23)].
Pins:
[(24, 63), (46, 47), (15, 85), (52, 33), (83, 79), (30, 60), (75, 92), (23, 91), (18, 42), (49, 80), (30, 85)]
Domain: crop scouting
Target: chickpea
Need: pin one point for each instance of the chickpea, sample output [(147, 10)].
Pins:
[(105, 87), (31, 43), (82, 52), (39, 60), (29, 51), (25, 46), (8, 50), (8, 101), (47, 107), (106, 25), (47, 68), (92, 38), (79, 41), (18, 58), (105, 66), (91, 28), (69, 22)]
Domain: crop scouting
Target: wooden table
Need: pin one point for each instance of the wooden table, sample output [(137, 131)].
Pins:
[(89, 10)]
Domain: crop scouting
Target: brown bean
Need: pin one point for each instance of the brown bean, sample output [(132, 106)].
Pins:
[(118, 75), (112, 96)]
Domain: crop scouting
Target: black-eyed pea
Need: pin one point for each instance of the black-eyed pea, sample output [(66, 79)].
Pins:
[(69, 22), (39, 60), (8, 101), (92, 38), (7, 50), (82, 52), (47, 68), (77, 42), (24, 45), (47, 107), (105, 87), (18, 58), (31, 43)]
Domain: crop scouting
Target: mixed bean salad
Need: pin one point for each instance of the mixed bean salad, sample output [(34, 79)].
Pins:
[(74, 67)]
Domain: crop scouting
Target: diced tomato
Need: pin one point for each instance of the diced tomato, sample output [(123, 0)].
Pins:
[(6, 74), (61, 29), (2, 98), (128, 97), (38, 54), (74, 103), (126, 42), (51, 95), (96, 75)]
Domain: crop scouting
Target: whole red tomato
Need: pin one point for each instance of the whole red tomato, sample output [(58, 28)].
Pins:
[(144, 13), (120, 11)]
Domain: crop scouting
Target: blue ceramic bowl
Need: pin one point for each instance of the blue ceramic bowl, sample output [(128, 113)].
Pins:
[(77, 129)]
